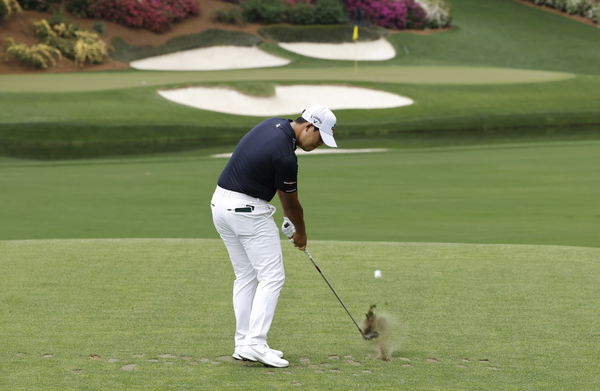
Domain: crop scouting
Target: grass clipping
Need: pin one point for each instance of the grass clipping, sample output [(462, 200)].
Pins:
[(387, 328)]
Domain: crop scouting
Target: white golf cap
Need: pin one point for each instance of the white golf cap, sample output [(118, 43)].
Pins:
[(321, 117)]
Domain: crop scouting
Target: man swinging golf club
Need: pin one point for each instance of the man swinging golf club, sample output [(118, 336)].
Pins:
[(264, 163)]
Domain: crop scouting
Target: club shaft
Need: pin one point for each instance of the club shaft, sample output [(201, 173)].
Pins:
[(333, 290)]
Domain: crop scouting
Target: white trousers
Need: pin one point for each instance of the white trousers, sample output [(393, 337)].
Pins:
[(252, 241)]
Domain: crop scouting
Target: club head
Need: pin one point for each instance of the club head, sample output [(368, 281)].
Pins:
[(371, 335)]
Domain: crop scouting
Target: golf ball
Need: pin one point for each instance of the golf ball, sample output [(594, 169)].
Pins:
[(377, 274)]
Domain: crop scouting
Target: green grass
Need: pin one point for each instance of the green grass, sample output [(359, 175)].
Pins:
[(164, 306), (531, 193), (497, 152), (505, 33), (392, 74), (505, 67), (100, 124)]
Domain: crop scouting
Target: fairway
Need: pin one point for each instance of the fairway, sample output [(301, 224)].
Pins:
[(91, 81), (155, 314), (529, 193)]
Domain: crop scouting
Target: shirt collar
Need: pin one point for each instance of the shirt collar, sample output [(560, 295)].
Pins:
[(290, 132)]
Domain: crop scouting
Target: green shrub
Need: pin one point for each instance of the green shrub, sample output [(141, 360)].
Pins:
[(329, 12), (65, 30), (57, 17), (99, 27), (78, 8), (230, 16), (89, 48), (319, 33), (42, 30), (302, 13), (72, 42), (38, 5), (8, 8), (60, 36), (264, 11), (39, 56)]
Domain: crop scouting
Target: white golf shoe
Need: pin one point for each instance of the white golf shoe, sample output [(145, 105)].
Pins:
[(262, 354), (236, 354)]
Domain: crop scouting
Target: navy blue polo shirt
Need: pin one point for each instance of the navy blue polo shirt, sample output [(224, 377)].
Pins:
[(263, 161)]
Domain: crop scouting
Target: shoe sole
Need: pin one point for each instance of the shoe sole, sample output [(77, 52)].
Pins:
[(246, 358), (240, 358)]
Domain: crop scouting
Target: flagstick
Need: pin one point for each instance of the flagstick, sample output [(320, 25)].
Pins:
[(355, 39)]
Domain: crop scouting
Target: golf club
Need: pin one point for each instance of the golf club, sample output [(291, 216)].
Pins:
[(367, 336)]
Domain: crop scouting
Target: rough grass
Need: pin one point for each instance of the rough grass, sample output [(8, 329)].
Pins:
[(156, 314)]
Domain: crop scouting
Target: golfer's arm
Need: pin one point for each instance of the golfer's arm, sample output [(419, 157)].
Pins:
[(293, 210)]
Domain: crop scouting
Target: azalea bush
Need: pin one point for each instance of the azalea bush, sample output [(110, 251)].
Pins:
[(437, 13), (154, 15), (395, 14), (587, 8)]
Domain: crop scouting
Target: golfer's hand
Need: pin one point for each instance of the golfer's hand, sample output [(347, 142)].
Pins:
[(299, 241), (288, 228)]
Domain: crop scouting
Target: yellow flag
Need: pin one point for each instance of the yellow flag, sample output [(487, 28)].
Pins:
[(355, 33)]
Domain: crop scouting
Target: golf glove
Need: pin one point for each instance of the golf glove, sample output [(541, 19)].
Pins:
[(288, 227)]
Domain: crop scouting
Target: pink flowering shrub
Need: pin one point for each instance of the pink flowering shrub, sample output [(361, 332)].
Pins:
[(153, 15), (395, 14)]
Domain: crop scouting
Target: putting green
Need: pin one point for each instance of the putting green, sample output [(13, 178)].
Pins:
[(156, 314), (95, 81)]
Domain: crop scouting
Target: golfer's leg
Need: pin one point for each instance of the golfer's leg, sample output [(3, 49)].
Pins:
[(245, 282), (264, 252), (244, 289)]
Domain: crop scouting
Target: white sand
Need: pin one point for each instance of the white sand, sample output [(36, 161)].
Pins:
[(320, 151), (242, 57), (287, 99), (211, 58), (364, 51)]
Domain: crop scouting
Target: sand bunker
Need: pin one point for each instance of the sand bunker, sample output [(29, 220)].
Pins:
[(242, 57), (286, 100), (364, 51), (210, 59)]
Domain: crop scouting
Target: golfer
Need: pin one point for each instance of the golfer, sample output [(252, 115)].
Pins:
[(264, 163)]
